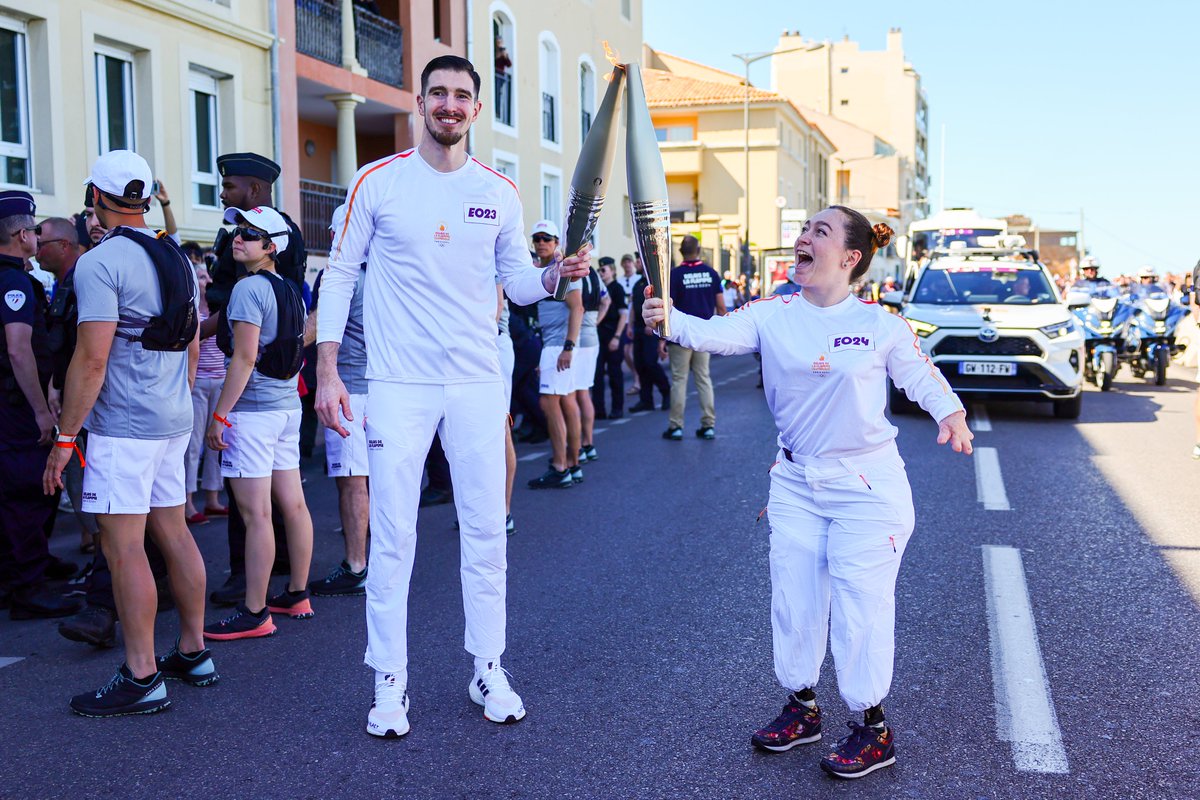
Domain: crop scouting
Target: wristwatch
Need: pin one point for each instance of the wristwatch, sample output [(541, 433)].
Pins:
[(568, 345)]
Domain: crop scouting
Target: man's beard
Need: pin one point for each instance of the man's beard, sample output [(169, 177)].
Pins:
[(445, 139)]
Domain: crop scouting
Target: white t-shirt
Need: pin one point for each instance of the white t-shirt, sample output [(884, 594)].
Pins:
[(825, 369), (434, 243)]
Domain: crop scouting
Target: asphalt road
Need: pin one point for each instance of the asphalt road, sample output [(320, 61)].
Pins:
[(640, 637)]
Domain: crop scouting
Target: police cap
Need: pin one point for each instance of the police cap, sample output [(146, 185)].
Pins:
[(248, 165), (16, 203)]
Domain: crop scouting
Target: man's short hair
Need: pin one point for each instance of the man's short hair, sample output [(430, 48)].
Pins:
[(690, 246), (11, 226), (626, 257), (453, 64), (60, 228)]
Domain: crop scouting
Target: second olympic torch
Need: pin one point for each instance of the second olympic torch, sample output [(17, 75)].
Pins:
[(589, 183), (648, 202)]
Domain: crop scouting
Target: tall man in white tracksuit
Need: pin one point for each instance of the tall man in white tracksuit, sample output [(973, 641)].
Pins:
[(435, 228), (840, 506)]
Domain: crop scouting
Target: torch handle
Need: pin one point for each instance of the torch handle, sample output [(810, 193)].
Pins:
[(583, 212)]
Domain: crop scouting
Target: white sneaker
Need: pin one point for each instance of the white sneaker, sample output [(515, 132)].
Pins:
[(389, 711), (489, 688)]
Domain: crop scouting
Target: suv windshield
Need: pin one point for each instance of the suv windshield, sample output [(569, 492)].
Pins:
[(970, 284)]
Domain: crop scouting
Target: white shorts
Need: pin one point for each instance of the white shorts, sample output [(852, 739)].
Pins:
[(261, 442), (584, 366), (347, 458), (131, 476), (508, 360), (551, 380)]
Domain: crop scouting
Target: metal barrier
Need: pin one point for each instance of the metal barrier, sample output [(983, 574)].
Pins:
[(317, 203), (319, 30), (380, 45)]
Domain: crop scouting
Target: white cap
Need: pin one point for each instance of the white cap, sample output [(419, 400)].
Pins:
[(547, 227), (264, 218), (123, 174), (1147, 272)]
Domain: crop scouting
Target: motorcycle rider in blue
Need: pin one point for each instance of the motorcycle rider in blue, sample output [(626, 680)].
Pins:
[(1147, 284), (1090, 276)]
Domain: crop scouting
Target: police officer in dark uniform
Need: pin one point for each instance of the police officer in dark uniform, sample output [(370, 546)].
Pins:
[(246, 180), (26, 423)]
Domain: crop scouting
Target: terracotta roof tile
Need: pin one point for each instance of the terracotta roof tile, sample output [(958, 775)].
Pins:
[(666, 89)]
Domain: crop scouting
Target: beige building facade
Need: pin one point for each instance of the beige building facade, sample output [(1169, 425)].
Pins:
[(543, 67), (178, 81), (877, 93), (698, 114)]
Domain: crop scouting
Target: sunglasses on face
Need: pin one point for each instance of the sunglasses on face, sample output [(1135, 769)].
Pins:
[(37, 229), (542, 239), (251, 235)]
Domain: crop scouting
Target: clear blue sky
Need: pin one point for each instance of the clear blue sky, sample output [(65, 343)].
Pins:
[(1049, 107)]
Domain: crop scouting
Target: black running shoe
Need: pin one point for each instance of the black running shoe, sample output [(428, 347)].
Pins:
[(241, 624), (292, 604), (553, 479), (122, 696), (231, 592), (342, 582), (510, 527), (576, 474), (796, 724), (588, 453), (95, 625), (196, 669), (673, 434), (865, 750), (706, 432)]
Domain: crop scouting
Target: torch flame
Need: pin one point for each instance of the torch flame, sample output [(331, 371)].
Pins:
[(614, 58)]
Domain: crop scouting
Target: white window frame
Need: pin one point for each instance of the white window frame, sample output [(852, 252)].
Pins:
[(548, 42), (627, 10), (104, 51), (501, 8), (586, 61), (557, 204), (499, 155), (200, 81), (23, 149)]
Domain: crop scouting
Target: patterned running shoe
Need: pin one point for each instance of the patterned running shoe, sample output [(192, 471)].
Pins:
[(388, 717), (293, 604), (490, 688), (343, 581), (865, 750), (195, 669), (122, 696), (796, 724)]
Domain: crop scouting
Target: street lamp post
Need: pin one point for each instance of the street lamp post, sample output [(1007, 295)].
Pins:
[(747, 59)]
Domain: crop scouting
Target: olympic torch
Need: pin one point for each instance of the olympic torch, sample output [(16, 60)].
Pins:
[(590, 181), (648, 203)]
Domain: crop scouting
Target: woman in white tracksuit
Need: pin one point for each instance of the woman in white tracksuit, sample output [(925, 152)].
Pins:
[(840, 506)]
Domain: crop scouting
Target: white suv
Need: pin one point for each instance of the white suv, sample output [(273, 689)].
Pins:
[(993, 323)]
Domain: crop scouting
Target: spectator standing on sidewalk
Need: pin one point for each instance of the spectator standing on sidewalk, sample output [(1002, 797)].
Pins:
[(627, 280), (560, 321), (647, 349), (696, 290), (595, 305), (210, 377), (610, 331)]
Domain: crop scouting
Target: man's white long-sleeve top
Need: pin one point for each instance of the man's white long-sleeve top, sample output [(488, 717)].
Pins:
[(825, 369), (434, 244)]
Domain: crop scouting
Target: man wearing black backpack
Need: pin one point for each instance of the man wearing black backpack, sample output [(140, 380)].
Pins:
[(129, 380)]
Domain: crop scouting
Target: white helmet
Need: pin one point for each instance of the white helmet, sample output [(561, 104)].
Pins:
[(1147, 272)]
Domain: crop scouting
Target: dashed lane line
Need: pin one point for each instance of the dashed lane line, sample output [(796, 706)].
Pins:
[(979, 419), (1025, 714), (989, 483), (8, 661), (534, 456)]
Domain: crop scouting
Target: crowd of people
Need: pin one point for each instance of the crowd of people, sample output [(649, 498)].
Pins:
[(155, 376)]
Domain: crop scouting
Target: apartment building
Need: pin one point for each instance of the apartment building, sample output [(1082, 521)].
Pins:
[(876, 92), (543, 67), (714, 166), (179, 82)]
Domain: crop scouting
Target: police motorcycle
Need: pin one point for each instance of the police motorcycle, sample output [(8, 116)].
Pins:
[(1150, 342), (1105, 315)]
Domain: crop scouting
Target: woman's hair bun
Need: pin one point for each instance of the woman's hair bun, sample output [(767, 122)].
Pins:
[(883, 234)]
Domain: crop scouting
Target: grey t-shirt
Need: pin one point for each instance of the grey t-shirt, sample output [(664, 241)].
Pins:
[(587, 331), (145, 393), (502, 322), (552, 317), (352, 355), (253, 300)]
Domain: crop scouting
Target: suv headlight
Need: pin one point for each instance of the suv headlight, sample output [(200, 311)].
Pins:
[(1058, 329), (921, 328)]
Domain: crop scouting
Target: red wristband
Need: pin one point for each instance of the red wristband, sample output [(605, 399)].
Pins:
[(222, 420), (72, 446)]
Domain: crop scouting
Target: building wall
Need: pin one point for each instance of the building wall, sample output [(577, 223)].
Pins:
[(165, 43), (876, 90), (577, 28)]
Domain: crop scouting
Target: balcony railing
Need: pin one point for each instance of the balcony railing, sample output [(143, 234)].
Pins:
[(380, 45), (317, 203), (549, 128), (319, 30), (379, 41), (504, 104)]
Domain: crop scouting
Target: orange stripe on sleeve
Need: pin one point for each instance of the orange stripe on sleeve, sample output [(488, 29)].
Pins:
[(354, 193)]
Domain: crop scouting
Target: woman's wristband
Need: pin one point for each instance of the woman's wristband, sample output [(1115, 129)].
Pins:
[(222, 420)]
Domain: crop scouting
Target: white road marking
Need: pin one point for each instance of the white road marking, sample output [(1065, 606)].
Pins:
[(989, 483), (8, 661), (979, 418), (533, 456), (620, 421), (1025, 713)]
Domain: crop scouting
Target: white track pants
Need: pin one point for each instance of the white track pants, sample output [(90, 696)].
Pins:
[(838, 532), (401, 420)]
